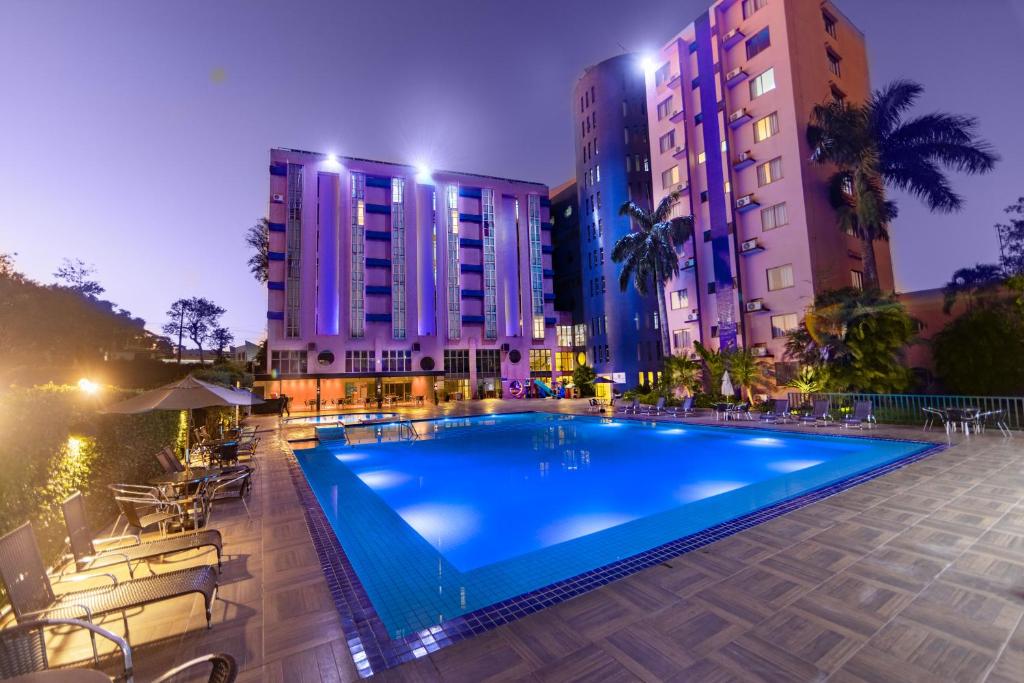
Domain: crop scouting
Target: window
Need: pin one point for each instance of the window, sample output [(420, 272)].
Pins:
[(766, 127), (453, 288), (357, 289), (580, 335), (359, 361), (661, 75), (538, 327), (780, 277), (769, 171), (783, 324), (758, 43), (293, 257), (763, 83), (669, 177), (774, 216), (540, 360), (680, 339), (664, 108), (395, 360), (751, 6), (830, 24), (701, 157), (564, 361), (456, 362), (488, 362), (625, 133), (857, 279), (667, 141), (833, 63), (288, 362), (398, 302), (679, 299), (564, 335)]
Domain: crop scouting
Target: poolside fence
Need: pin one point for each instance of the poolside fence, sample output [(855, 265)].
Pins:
[(909, 408)]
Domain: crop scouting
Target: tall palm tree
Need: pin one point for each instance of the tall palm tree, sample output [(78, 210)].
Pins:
[(648, 253), (746, 370), (873, 148), (257, 238)]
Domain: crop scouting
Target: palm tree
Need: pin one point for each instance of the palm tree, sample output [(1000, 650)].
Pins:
[(714, 362), (745, 370), (873, 148), (680, 372), (257, 237), (648, 253)]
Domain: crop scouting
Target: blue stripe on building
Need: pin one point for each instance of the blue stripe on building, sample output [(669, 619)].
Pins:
[(378, 263), (279, 168), (471, 268), (275, 315), (378, 289), (275, 256), (378, 208), (469, 242), (470, 192), (378, 235), (276, 227), (378, 317), (275, 285), (378, 181), (473, 319), (472, 294), (470, 218)]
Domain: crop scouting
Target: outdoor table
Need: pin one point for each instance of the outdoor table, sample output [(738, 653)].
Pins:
[(196, 475)]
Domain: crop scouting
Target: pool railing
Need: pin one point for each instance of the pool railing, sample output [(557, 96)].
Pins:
[(909, 408)]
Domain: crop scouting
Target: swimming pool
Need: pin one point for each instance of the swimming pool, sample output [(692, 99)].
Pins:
[(339, 419), (480, 510)]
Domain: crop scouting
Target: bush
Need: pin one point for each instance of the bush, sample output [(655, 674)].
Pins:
[(980, 353), (55, 442)]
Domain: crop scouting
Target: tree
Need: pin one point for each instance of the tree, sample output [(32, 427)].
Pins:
[(680, 372), (583, 377), (873, 147), (714, 365), (859, 336), (979, 282), (221, 338), (75, 275), (648, 253), (979, 352), (745, 369), (257, 238), (7, 269), (809, 380), (1011, 240), (195, 318)]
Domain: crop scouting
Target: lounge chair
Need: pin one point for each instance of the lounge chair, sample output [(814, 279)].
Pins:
[(684, 410), (779, 413), (129, 549), (631, 407), (30, 590), (862, 415), (593, 406), (657, 409), (819, 415), (23, 647)]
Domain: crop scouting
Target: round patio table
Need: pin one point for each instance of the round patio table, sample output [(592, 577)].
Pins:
[(196, 475)]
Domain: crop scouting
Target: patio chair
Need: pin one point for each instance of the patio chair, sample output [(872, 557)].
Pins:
[(143, 507), (30, 590), (658, 408), (740, 410), (862, 415), (779, 413), (593, 406), (23, 647), (820, 409), (238, 484), (632, 407), (129, 549), (684, 410), (223, 669)]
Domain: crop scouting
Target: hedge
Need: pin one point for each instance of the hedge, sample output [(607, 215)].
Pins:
[(53, 441)]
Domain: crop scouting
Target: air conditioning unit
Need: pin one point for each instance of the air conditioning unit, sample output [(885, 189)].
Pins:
[(745, 200), (734, 73), (738, 114), (689, 263), (415, 346), (759, 351), (749, 245), (505, 347), (679, 150), (730, 35), (692, 317), (678, 187), (277, 198), (311, 346), (675, 113), (744, 156), (755, 305)]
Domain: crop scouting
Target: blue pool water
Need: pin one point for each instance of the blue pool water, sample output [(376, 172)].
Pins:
[(482, 509), (342, 418)]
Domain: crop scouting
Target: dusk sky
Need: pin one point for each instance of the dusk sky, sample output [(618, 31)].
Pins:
[(136, 135)]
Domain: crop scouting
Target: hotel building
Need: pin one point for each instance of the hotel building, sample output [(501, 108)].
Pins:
[(392, 282), (728, 99), (613, 166)]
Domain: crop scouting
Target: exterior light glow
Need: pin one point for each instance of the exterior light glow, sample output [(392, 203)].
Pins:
[(88, 386), (423, 173), (648, 64), (332, 159)]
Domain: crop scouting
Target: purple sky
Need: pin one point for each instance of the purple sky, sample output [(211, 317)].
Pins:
[(136, 135)]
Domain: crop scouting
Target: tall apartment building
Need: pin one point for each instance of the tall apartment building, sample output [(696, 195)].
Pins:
[(729, 98), (612, 166), (389, 281)]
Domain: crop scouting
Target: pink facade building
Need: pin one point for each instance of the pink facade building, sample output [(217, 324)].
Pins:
[(728, 100), (393, 283)]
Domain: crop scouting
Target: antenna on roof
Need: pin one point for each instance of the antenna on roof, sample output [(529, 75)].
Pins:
[(622, 46)]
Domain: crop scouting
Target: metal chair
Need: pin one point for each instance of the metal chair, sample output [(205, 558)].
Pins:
[(862, 415), (779, 413), (23, 647), (223, 669), (820, 413)]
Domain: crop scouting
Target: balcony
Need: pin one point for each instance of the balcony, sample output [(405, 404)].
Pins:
[(680, 153), (688, 263), (747, 203), (755, 306), (735, 77), (677, 116), (673, 81), (733, 37), (739, 117), (744, 160), (749, 247)]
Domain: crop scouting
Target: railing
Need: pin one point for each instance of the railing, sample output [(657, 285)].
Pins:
[(400, 429), (909, 408)]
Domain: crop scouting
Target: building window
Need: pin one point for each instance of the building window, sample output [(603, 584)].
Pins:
[(679, 299), (857, 279), (769, 171), (669, 177), (712, 288), (661, 75), (398, 304), (488, 362), (490, 268), (540, 360), (830, 24), (758, 43), (357, 288), (359, 361), (396, 360), (293, 255), (763, 83), (288, 362), (783, 324), (536, 266), (456, 362), (667, 141), (680, 339), (538, 327), (774, 216), (751, 6), (564, 361), (833, 63), (766, 127), (580, 335), (701, 157), (780, 277), (563, 333), (454, 292), (664, 108)]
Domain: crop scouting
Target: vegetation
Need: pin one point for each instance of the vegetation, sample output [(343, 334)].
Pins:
[(648, 253), (810, 379), (198, 319), (680, 373), (873, 147), (859, 337), (713, 366), (257, 238), (583, 377), (980, 352), (746, 371)]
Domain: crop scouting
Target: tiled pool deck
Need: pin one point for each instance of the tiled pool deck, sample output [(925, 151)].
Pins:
[(916, 574)]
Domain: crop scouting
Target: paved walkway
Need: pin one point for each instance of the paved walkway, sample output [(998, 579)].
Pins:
[(915, 576)]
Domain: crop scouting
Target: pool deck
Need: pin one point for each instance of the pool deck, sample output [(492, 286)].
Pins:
[(917, 575)]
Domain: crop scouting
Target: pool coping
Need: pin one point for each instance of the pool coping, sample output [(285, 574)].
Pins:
[(374, 650)]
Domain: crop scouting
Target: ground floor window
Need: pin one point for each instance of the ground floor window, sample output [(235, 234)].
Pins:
[(540, 360), (455, 389), (397, 392), (456, 362), (488, 362), (288, 362)]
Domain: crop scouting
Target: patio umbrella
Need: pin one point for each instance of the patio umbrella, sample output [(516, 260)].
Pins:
[(185, 394), (727, 389), (603, 380)]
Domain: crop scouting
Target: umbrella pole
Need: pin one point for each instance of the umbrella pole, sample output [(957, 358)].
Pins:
[(188, 437)]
